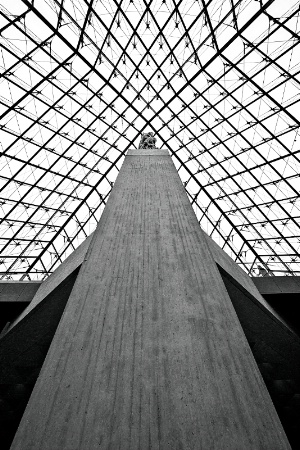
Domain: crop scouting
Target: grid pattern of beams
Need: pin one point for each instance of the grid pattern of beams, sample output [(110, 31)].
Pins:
[(216, 80)]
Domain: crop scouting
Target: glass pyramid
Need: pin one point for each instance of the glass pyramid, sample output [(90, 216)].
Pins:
[(216, 80)]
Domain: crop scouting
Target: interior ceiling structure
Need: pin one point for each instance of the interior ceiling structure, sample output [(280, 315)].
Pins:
[(216, 80)]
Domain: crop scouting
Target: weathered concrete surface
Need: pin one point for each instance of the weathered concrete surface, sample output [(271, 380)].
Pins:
[(18, 291), (149, 352)]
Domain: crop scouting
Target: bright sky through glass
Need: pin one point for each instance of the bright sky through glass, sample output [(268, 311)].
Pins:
[(216, 80)]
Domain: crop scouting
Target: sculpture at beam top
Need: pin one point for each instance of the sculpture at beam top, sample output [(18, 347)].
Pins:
[(147, 140)]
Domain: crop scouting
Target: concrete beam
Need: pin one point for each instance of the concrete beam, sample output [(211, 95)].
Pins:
[(277, 285), (18, 291)]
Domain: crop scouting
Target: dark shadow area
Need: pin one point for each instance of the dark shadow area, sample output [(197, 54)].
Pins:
[(23, 350), (9, 311), (13, 401), (276, 350), (287, 306)]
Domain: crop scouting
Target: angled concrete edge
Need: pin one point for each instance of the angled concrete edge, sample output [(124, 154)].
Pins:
[(24, 346), (231, 268), (222, 259), (274, 330), (254, 287), (62, 272), (260, 322)]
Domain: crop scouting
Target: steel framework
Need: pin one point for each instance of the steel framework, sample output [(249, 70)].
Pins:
[(216, 80)]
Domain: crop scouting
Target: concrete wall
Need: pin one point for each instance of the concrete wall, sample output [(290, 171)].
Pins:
[(149, 352)]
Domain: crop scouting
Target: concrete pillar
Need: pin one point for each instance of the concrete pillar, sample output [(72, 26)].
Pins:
[(149, 353)]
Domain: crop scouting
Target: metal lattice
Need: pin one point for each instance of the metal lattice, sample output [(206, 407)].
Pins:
[(216, 80)]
